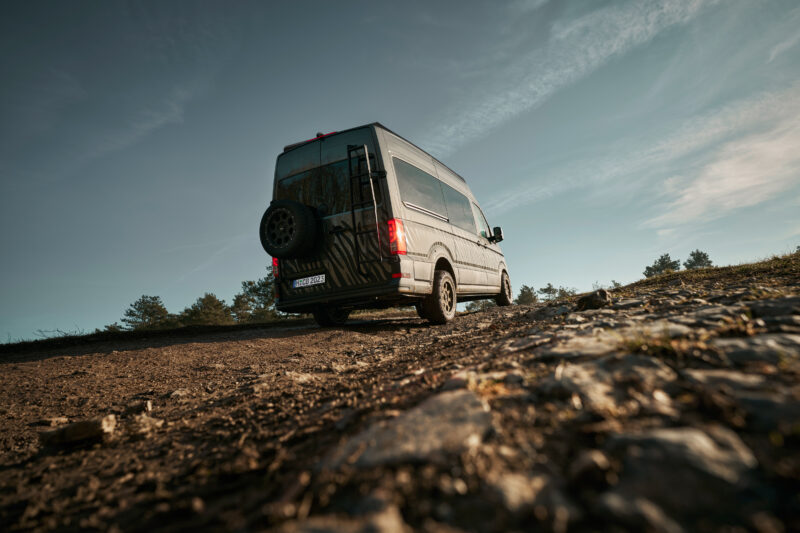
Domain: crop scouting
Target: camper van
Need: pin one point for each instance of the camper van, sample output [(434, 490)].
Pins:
[(363, 218)]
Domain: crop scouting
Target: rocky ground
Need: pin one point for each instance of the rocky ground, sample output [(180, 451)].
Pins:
[(672, 404)]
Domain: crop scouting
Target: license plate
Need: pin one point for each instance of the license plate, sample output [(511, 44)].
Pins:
[(309, 281)]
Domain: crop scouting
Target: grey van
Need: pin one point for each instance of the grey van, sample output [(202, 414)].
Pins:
[(363, 218)]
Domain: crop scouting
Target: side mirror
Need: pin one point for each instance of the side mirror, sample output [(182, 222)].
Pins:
[(498, 234)]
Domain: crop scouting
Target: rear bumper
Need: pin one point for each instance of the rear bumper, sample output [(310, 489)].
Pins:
[(390, 292)]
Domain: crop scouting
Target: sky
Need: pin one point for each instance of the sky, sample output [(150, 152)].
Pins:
[(138, 139)]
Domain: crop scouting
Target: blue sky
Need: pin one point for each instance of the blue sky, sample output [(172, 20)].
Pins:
[(138, 139)]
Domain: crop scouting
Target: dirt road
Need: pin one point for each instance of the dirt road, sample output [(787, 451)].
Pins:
[(675, 407)]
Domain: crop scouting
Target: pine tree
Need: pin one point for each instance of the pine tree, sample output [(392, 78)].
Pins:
[(697, 259), (662, 265), (549, 292), (242, 307), (526, 296), (147, 312), (207, 310), (565, 292)]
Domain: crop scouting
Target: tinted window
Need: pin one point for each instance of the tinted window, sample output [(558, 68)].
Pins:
[(458, 209), (419, 188), (316, 174), (480, 220)]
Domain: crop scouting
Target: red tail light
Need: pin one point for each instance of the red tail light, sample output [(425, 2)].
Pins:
[(397, 237), (275, 267)]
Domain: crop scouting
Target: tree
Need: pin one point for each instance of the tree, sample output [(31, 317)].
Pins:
[(697, 259), (242, 307), (480, 305), (526, 296), (564, 292), (256, 302), (662, 265), (207, 310), (615, 284), (549, 292), (147, 312)]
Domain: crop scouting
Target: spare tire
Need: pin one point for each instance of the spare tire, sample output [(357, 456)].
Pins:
[(288, 229)]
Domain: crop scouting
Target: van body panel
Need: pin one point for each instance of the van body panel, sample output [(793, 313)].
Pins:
[(353, 253)]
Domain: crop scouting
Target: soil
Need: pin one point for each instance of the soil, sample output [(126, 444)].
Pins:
[(243, 421)]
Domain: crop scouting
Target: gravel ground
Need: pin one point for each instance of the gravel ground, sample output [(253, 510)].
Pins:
[(673, 405)]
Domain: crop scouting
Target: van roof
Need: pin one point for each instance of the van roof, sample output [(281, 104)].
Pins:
[(292, 146)]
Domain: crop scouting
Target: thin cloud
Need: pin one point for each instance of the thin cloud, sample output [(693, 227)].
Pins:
[(765, 113), (742, 173), (572, 52), (783, 46)]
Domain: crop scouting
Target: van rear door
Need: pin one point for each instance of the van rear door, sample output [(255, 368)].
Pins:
[(321, 180)]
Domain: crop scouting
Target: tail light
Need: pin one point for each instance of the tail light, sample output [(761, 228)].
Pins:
[(275, 267), (397, 237)]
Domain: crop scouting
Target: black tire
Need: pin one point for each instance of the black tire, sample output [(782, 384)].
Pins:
[(506, 296), (288, 229), (440, 306), (421, 311), (330, 316)]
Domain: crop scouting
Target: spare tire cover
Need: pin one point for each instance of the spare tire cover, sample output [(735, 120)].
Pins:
[(288, 229)]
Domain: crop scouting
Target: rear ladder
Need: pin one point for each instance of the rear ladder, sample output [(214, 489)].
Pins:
[(361, 175)]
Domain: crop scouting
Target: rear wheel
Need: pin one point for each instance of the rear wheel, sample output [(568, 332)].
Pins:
[(331, 316), (504, 298), (420, 311), (440, 306)]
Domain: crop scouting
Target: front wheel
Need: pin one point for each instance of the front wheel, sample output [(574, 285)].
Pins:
[(331, 316), (440, 306), (504, 298)]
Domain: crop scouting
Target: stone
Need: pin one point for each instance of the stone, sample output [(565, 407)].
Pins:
[(636, 514), (728, 378), (51, 422), (595, 300), (143, 406), (628, 303), (82, 432), (768, 348), (548, 312), (602, 385), (775, 307), (388, 520), (684, 471), (523, 494), (179, 393), (448, 423), (578, 346), (144, 424), (589, 468)]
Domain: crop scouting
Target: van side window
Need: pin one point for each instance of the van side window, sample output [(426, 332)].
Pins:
[(419, 188), (458, 209), (483, 226)]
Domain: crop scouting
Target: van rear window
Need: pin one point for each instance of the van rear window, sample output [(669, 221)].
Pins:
[(419, 188)]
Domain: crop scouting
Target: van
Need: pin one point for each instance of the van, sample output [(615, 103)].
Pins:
[(364, 219)]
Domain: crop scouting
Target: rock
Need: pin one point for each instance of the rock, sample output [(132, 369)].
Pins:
[(636, 514), (602, 385), (179, 393), (389, 520), (548, 312), (728, 378), (578, 346), (595, 300), (524, 494), (51, 422), (767, 412), (448, 423), (686, 472), (144, 424), (769, 348), (628, 303), (462, 379), (143, 406), (589, 468), (775, 307), (83, 432)]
